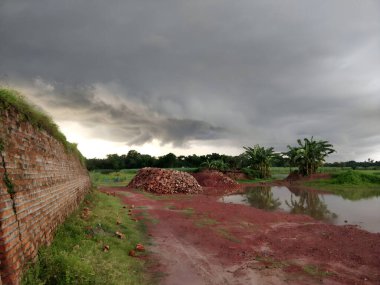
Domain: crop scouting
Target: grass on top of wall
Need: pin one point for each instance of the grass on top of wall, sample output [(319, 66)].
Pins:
[(36, 117), (77, 256)]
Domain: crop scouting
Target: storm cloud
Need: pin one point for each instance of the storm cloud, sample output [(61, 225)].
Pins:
[(237, 72)]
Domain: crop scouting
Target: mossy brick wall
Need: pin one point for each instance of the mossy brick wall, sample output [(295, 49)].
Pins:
[(45, 184)]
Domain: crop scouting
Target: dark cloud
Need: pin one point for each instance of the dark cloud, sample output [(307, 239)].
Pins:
[(246, 71), (117, 119)]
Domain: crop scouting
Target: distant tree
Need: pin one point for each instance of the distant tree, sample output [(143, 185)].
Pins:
[(146, 161), (115, 161), (260, 159), (167, 161), (309, 155), (280, 161), (133, 159)]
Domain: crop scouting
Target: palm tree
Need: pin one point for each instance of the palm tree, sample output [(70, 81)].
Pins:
[(260, 159), (309, 155)]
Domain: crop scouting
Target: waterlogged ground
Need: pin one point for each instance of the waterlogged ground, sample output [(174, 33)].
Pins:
[(198, 240), (364, 213)]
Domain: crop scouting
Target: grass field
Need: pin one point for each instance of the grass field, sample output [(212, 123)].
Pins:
[(76, 255), (282, 172), (351, 184), (117, 178)]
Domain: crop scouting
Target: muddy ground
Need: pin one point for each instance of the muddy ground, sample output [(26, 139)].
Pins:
[(198, 240)]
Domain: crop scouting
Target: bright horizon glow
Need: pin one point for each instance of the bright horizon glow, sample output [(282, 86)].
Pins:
[(99, 148)]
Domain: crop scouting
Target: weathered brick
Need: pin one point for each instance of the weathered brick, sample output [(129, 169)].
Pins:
[(48, 183)]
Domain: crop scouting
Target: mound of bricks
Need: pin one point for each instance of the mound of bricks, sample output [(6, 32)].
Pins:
[(164, 181), (214, 178)]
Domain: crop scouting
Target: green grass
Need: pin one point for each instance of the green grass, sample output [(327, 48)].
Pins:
[(316, 271), (117, 178), (188, 212), (145, 217), (282, 172), (205, 222), (279, 172), (76, 255), (227, 235), (36, 117), (351, 184)]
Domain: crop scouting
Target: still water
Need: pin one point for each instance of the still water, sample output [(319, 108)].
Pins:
[(364, 213)]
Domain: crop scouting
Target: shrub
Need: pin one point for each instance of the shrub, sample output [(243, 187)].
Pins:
[(355, 177), (251, 173)]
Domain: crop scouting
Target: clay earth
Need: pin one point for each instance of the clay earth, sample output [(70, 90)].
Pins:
[(198, 240)]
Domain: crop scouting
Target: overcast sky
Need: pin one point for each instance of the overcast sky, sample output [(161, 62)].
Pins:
[(199, 76)]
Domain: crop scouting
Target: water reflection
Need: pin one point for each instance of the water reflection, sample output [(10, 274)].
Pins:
[(262, 198), (300, 202), (364, 213), (309, 203)]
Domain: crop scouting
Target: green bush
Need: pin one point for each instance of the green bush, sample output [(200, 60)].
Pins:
[(355, 177), (251, 173)]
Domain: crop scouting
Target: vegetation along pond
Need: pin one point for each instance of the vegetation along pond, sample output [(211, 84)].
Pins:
[(327, 207)]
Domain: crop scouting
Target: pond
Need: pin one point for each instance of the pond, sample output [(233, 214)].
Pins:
[(330, 208)]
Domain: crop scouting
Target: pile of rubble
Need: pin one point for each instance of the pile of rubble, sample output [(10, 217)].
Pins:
[(164, 181), (214, 178)]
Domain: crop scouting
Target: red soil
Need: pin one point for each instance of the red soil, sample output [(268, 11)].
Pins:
[(199, 240), (214, 178)]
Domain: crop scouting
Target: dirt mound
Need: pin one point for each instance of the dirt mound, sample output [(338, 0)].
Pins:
[(214, 178), (164, 181), (236, 174)]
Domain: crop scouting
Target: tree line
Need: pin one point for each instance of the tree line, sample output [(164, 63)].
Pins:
[(308, 155), (134, 159), (367, 164)]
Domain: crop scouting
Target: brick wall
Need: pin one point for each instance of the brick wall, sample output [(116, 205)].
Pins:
[(48, 184)]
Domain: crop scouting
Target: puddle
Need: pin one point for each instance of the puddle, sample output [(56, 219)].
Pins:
[(330, 208)]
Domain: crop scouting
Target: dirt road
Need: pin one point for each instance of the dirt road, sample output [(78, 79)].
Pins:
[(198, 240)]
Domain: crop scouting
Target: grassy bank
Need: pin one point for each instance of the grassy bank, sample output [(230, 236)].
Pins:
[(36, 117), (77, 254), (351, 184)]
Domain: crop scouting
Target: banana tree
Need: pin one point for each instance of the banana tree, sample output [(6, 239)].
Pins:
[(215, 164), (309, 155), (260, 159)]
